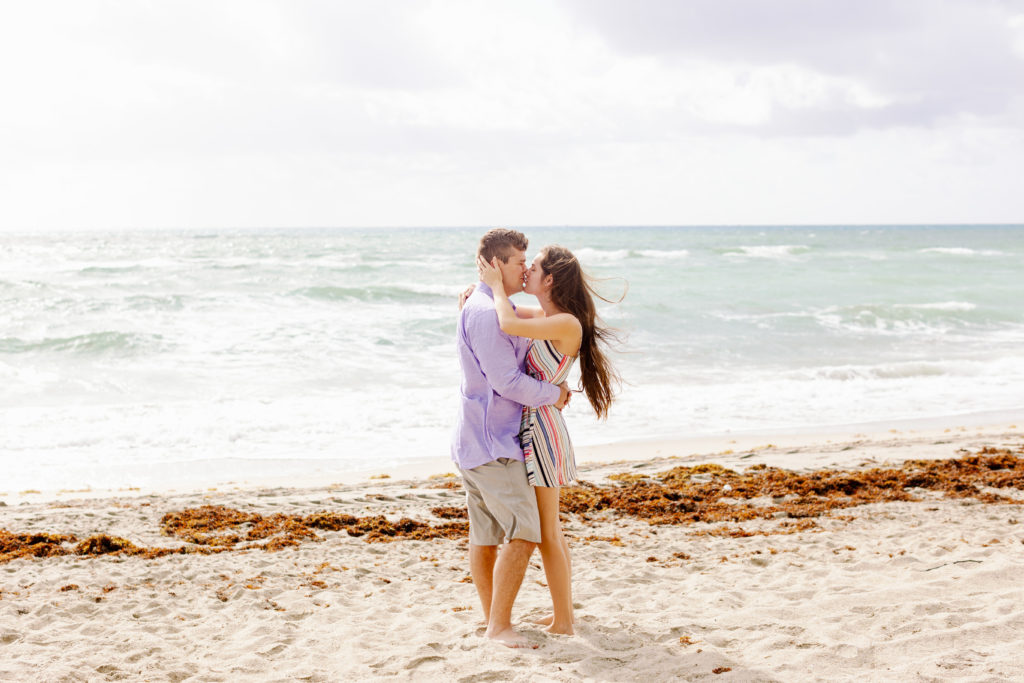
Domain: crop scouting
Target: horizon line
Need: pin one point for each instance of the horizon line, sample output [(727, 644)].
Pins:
[(531, 226)]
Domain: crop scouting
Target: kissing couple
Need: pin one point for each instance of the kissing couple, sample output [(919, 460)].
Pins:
[(511, 444)]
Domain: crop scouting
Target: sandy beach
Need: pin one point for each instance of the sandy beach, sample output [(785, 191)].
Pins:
[(909, 573)]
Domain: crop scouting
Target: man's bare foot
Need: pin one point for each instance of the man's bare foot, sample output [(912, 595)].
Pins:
[(511, 638)]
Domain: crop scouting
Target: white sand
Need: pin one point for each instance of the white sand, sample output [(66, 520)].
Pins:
[(929, 590)]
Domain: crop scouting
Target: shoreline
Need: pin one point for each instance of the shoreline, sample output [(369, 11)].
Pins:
[(811, 446)]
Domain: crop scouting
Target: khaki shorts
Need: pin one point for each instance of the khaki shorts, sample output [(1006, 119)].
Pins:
[(501, 502)]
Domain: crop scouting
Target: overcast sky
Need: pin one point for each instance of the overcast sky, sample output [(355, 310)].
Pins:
[(584, 112)]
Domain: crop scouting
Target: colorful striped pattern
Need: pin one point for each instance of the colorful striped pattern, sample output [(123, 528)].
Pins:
[(542, 433)]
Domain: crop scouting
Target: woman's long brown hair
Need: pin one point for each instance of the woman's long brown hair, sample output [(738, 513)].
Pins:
[(572, 291)]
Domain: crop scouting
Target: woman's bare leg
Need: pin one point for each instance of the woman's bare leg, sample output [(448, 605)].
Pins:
[(546, 621), (568, 562), (554, 553)]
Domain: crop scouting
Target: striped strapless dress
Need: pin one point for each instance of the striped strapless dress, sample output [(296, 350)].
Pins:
[(542, 433)]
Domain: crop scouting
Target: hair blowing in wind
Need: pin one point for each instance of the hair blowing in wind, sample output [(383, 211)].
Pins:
[(572, 291)]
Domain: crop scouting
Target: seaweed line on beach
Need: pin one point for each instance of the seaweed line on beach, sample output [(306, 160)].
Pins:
[(680, 496), (711, 493), (213, 529)]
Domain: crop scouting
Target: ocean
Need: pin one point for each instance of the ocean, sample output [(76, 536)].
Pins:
[(156, 358)]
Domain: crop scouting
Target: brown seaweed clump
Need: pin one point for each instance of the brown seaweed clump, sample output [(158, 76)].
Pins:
[(219, 526), (711, 493), (450, 512), (102, 544), (13, 546)]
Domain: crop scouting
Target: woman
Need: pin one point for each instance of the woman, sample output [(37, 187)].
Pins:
[(566, 327)]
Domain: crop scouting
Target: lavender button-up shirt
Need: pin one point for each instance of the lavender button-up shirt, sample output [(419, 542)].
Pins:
[(494, 386)]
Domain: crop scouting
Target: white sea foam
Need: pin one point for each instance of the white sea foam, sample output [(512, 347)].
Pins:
[(664, 253), (843, 255), (909, 370), (769, 251), (154, 263), (815, 397), (942, 306), (868, 323), (590, 255), (427, 288), (961, 251)]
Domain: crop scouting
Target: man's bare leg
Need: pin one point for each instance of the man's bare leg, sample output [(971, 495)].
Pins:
[(481, 568), (508, 576)]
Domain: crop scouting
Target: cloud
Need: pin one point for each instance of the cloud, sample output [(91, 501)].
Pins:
[(461, 112), (878, 63)]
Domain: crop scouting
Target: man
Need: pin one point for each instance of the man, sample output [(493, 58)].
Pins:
[(485, 447)]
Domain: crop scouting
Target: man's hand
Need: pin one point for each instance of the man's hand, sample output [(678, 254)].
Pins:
[(564, 396), (465, 295)]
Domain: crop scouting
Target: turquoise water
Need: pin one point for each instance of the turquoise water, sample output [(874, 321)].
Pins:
[(134, 357)]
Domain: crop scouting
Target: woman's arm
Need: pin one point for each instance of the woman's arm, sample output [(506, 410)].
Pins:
[(561, 327), (529, 312), (521, 311)]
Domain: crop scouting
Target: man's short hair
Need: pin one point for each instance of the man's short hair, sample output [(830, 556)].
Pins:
[(501, 242)]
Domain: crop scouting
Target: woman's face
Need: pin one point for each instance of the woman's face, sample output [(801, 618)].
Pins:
[(533, 281)]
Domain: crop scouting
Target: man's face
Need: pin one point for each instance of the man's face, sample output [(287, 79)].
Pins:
[(512, 272)]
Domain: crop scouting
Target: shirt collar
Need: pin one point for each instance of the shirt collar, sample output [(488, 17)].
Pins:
[(481, 286)]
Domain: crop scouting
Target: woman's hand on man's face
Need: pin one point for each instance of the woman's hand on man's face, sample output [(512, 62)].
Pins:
[(489, 273)]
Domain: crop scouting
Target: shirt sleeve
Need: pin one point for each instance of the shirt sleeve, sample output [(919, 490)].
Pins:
[(497, 357)]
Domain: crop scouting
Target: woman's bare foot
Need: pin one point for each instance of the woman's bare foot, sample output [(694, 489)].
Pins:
[(548, 620), (511, 638), (561, 629)]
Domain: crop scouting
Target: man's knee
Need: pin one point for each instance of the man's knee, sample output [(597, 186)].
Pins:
[(519, 545)]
